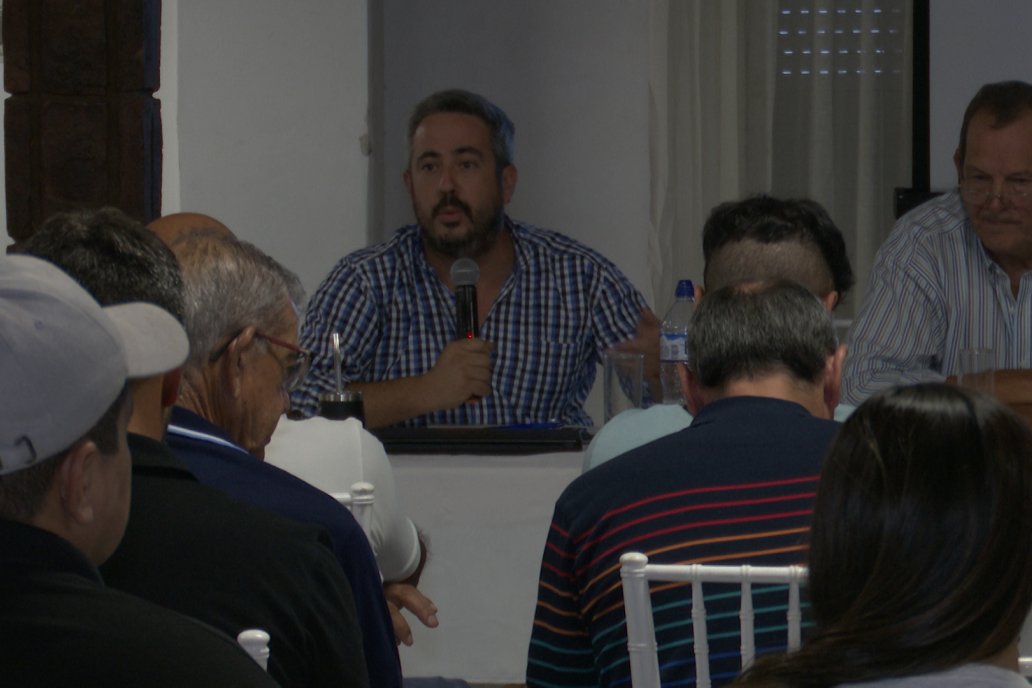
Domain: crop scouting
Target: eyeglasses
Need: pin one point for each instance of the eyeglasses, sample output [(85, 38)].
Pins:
[(293, 372), (979, 190)]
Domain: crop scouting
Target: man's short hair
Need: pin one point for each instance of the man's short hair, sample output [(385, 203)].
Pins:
[(228, 285), (1006, 101), (468, 103), (115, 258), (22, 492), (767, 238), (751, 329)]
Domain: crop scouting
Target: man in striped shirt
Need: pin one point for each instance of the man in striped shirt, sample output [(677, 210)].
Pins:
[(548, 306), (735, 487), (956, 272)]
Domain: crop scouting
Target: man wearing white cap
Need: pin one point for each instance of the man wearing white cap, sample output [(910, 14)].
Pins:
[(65, 490), (222, 561)]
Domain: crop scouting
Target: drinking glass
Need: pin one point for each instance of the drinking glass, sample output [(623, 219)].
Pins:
[(976, 369), (622, 381)]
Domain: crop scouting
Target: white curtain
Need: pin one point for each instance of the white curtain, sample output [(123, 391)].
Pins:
[(797, 98)]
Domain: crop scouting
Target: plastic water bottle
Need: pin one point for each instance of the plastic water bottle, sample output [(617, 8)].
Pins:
[(673, 342)]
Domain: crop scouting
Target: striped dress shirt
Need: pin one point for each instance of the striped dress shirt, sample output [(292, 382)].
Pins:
[(562, 306), (736, 487), (934, 290)]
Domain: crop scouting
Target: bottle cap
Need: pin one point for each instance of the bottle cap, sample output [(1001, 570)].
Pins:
[(685, 288)]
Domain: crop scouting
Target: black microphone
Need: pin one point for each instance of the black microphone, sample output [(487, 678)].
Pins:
[(464, 276)]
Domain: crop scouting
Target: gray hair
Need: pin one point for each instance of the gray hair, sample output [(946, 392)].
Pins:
[(469, 103), (114, 257), (229, 285), (750, 329)]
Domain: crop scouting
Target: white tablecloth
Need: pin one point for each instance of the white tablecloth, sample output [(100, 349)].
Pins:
[(486, 518)]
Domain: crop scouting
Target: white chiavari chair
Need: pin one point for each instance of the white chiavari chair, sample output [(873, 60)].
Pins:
[(256, 643), (359, 499), (636, 572)]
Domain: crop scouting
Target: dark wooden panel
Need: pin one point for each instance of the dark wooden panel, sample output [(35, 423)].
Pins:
[(83, 129)]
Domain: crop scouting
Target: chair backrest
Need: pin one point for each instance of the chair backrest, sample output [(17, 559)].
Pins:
[(636, 572), (256, 642), (360, 500)]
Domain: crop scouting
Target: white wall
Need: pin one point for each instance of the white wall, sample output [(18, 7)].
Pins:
[(277, 157), (270, 102), (972, 42)]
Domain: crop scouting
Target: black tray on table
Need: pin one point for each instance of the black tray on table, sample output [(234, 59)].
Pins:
[(463, 439)]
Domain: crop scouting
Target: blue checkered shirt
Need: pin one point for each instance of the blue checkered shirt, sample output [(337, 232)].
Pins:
[(563, 305)]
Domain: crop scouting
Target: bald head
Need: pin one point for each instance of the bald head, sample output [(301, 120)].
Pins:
[(170, 227)]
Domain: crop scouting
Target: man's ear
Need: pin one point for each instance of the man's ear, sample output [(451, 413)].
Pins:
[(691, 390), (830, 300), (75, 483), (236, 359), (406, 177), (833, 379), (509, 178), (958, 165), (170, 383)]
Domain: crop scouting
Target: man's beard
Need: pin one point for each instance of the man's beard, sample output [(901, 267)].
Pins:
[(482, 235)]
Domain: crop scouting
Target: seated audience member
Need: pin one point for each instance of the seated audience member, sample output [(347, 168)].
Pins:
[(64, 495), (189, 547), (758, 238), (241, 318), (314, 450), (956, 272), (548, 306), (333, 455), (735, 487), (920, 565)]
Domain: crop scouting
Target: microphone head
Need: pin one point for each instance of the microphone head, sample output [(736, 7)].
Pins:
[(465, 272)]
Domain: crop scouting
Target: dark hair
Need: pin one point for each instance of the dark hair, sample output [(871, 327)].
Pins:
[(22, 492), (754, 328), (114, 257), (920, 556), (767, 220), (468, 103), (1006, 101)]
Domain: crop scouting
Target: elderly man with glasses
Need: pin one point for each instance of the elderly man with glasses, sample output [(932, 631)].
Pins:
[(241, 318), (956, 272)]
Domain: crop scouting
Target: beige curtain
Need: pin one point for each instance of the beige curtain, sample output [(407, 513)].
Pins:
[(795, 98)]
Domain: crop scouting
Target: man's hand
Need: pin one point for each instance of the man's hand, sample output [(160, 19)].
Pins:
[(1013, 386), (646, 342), (462, 372), (404, 596)]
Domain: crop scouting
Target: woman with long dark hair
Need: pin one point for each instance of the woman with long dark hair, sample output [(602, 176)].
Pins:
[(921, 548)]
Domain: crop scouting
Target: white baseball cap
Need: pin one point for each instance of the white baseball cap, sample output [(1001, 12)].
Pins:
[(64, 359)]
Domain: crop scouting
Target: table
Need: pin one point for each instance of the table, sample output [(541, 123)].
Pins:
[(486, 518)]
